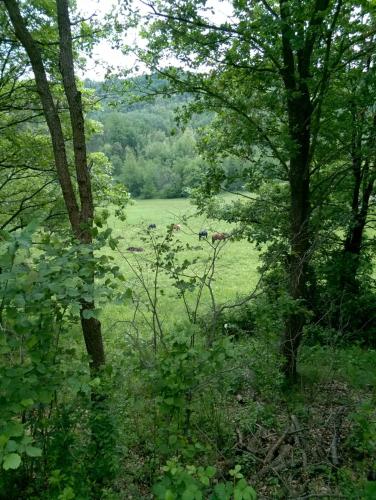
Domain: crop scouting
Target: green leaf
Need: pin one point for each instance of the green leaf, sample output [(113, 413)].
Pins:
[(169, 495), (235, 472), (243, 491), (67, 494), (192, 493), (205, 480), (14, 429), (210, 471), (27, 402), (112, 243), (32, 451), (11, 461), (3, 440), (370, 490), (88, 313), (11, 446), (4, 349), (188, 495), (223, 491), (44, 396), (95, 382), (5, 236), (173, 439)]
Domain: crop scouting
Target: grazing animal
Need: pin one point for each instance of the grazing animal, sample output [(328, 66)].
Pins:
[(135, 249), (176, 227), (219, 237), (203, 234), (152, 226)]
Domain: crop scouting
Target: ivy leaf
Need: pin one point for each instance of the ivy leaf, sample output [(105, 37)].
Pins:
[(11, 461)]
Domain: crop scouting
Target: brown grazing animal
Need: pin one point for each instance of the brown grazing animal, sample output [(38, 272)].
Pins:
[(219, 237), (176, 227)]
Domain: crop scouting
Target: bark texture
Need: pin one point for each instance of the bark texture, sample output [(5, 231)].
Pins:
[(296, 74), (80, 216), (91, 327)]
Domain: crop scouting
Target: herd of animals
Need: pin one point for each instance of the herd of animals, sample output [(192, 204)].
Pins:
[(203, 234)]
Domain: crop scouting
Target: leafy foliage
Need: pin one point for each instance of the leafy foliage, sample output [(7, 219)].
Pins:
[(150, 154), (192, 483), (193, 405)]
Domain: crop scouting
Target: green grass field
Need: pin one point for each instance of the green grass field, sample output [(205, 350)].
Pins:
[(236, 270)]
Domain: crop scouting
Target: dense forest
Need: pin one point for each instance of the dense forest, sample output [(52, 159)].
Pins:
[(150, 154), (187, 256)]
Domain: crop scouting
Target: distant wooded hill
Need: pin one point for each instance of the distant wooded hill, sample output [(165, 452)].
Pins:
[(150, 154)]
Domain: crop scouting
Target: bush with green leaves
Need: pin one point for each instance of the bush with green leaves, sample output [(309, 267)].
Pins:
[(46, 414), (181, 377), (363, 436), (345, 311), (198, 483)]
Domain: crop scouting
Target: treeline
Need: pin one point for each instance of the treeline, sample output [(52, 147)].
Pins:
[(150, 154)]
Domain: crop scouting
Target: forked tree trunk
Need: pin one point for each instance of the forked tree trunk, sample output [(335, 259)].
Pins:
[(80, 217)]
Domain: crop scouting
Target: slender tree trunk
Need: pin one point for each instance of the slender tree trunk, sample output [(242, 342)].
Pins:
[(81, 218), (354, 240), (364, 179), (91, 327), (74, 99)]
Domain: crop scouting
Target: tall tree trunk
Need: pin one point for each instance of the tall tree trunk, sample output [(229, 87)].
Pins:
[(299, 179), (80, 217), (91, 327), (296, 74)]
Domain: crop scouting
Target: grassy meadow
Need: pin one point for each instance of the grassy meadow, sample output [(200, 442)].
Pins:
[(236, 269)]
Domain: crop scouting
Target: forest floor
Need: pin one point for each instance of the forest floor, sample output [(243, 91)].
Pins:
[(325, 444), (314, 440)]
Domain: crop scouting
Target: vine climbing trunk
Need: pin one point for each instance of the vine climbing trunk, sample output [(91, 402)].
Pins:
[(80, 214)]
